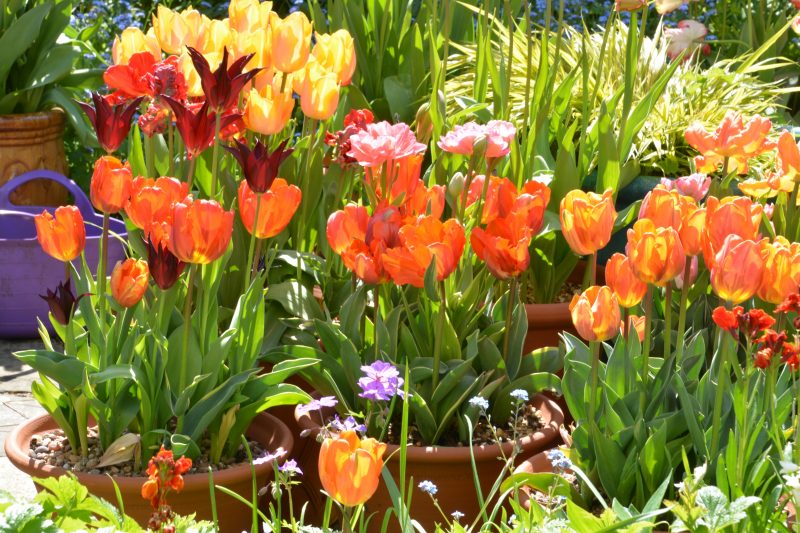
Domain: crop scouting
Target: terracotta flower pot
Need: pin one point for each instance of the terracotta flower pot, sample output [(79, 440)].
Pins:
[(547, 321), (30, 142), (532, 465), (448, 467), (195, 496)]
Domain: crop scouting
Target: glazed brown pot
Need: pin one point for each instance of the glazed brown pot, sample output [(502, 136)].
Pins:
[(30, 142), (547, 321), (448, 467), (195, 496)]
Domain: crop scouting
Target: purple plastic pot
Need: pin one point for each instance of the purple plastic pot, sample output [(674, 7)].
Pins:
[(25, 270)]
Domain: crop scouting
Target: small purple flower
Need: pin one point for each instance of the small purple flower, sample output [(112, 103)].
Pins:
[(348, 423), (266, 457), (480, 402), (317, 405), (290, 467), (520, 395), (381, 381)]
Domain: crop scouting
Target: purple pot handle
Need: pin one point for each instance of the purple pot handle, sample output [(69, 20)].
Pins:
[(81, 200)]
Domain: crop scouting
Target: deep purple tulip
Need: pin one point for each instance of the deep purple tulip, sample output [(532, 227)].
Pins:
[(111, 122), (259, 165), (222, 87)]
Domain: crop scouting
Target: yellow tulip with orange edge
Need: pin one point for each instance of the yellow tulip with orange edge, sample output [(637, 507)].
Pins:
[(350, 467)]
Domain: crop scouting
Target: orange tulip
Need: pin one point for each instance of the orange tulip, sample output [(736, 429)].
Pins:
[(733, 215), (336, 52), (738, 269), (151, 200), (319, 96), (362, 240), (635, 324), (403, 179), (595, 313), (693, 229), (200, 230), (110, 188), (423, 201), (655, 254), (132, 41), (781, 270), (628, 288), (291, 42), (733, 140), (267, 112), (129, 281), (427, 239), (277, 208), (503, 246), (503, 198), (663, 207), (587, 220), (789, 156), (63, 236), (350, 468)]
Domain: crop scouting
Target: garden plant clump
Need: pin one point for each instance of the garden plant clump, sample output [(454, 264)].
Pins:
[(446, 266)]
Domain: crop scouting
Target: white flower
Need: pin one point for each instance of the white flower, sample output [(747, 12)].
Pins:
[(688, 35)]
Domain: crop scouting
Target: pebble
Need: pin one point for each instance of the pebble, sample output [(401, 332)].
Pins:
[(54, 446), (73, 458), (91, 463), (41, 449), (35, 439), (94, 471)]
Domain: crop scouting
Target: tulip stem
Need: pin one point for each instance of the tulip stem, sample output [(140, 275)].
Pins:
[(148, 141), (791, 218), (190, 176), (437, 341), (251, 259), (648, 322), (722, 369), (668, 321), (512, 293), (187, 326), (687, 272), (101, 270), (171, 147), (215, 157), (377, 293), (594, 351)]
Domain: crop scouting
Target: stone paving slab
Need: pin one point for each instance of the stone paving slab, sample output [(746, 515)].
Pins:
[(16, 406)]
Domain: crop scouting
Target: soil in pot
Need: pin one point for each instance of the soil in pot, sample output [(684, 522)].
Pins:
[(547, 321), (448, 467), (234, 516)]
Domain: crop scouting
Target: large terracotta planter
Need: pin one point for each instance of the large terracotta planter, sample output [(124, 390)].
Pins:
[(448, 467), (547, 321), (31, 142), (195, 496)]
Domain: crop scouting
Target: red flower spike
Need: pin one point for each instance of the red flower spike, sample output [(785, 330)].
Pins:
[(197, 129), (259, 165), (359, 118), (222, 87), (789, 355), (755, 321), (790, 305), (763, 358), (728, 320), (111, 122)]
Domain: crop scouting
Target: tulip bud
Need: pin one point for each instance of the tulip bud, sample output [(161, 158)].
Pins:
[(738, 269), (479, 146), (424, 124), (628, 288), (336, 52), (110, 188), (656, 254), (291, 42), (319, 97), (164, 266), (63, 236), (350, 468), (595, 313), (61, 302), (129, 281), (587, 220), (456, 186)]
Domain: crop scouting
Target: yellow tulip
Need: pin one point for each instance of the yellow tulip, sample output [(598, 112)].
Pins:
[(291, 42), (256, 42), (269, 111), (248, 15), (320, 96), (217, 36), (132, 41), (336, 52), (186, 67), (196, 24)]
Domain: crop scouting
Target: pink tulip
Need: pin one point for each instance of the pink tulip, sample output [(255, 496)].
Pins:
[(695, 186), (689, 35), (496, 134), (378, 143)]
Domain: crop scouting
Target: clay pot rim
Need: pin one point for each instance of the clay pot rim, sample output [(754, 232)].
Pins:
[(37, 468), (54, 114), (551, 413)]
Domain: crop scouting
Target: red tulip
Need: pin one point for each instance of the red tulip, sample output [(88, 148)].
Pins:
[(63, 236), (222, 87), (197, 129), (111, 122), (201, 230), (259, 165), (503, 246), (276, 209), (110, 188)]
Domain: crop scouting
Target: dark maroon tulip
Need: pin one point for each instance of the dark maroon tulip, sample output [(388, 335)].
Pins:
[(197, 129), (111, 122), (259, 165), (61, 302), (222, 87), (164, 267)]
